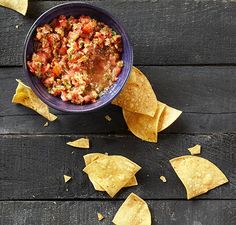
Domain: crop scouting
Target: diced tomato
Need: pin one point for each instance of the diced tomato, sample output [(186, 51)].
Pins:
[(41, 57), (53, 38), (89, 27), (63, 50), (57, 69), (62, 21), (45, 69), (117, 71)]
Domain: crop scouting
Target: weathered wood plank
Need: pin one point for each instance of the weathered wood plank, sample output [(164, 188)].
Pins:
[(169, 212), (95, 123), (207, 95), (33, 166), (162, 32), (191, 89)]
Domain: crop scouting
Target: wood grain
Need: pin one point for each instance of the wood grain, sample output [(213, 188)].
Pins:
[(165, 32), (32, 167), (168, 212), (206, 95), (193, 89)]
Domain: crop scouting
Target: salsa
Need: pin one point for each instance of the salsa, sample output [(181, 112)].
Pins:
[(77, 59)]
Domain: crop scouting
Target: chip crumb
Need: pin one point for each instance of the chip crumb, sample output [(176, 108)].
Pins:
[(157, 148), (33, 196), (72, 152), (100, 216), (195, 150), (46, 124), (67, 178), (54, 203), (163, 179), (17, 26), (108, 118), (67, 189)]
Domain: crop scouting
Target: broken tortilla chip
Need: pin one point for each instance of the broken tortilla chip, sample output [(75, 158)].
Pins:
[(143, 126), (100, 216), (111, 172), (25, 96), (18, 5), (137, 95), (197, 174), (134, 210), (80, 143), (67, 178), (195, 150), (89, 158), (168, 116)]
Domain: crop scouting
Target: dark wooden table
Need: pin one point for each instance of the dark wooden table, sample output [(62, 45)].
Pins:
[(187, 49)]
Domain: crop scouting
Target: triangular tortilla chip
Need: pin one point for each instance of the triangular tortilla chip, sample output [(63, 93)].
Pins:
[(134, 211), (66, 178), (168, 116), (143, 126), (25, 96), (112, 172), (80, 143), (17, 5), (89, 158), (197, 174), (137, 95), (195, 150)]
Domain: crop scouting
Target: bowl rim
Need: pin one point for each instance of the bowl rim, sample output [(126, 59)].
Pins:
[(30, 33)]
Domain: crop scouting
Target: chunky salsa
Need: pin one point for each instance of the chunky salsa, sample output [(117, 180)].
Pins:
[(77, 59)]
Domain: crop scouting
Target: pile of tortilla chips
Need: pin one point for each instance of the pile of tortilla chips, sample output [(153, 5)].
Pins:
[(145, 116), (197, 174), (25, 96), (18, 5), (134, 210), (110, 173)]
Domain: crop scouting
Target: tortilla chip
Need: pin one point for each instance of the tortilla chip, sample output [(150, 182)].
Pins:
[(112, 172), (134, 210), (195, 150), (18, 5), (46, 124), (197, 174), (168, 116), (25, 96), (67, 178), (89, 158), (137, 95), (100, 216), (80, 143), (143, 126)]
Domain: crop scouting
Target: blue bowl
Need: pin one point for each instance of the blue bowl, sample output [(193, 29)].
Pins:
[(76, 9)]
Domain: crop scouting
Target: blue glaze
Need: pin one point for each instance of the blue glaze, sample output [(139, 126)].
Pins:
[(76, 9)]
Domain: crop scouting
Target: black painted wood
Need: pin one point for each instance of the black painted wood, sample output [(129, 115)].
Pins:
[(165, 32), (162, 32), (193, 89), (207, 95), (33, 166), (85, 212)]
